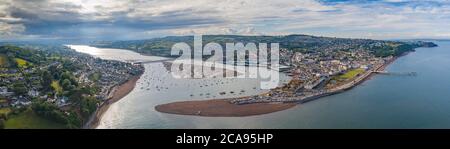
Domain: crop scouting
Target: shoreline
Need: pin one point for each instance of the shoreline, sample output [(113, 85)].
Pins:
[(224, 107), (118, 92)]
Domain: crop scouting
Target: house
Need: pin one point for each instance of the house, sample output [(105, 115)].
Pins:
[(62, 101), (33, 93), (4, 92), (365, 67)]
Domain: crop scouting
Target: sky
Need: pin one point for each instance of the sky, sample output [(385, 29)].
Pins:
[(144, 19)]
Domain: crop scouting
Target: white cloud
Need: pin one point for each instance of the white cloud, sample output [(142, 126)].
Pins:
[(10, 30), (386, 19)]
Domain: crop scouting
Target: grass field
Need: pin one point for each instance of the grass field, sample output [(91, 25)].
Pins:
[(55, 85), (5, 111), (29, 120), (9, 75), (21, 62), (350, 74)]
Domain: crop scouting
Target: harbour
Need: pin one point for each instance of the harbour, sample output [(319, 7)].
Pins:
[(371, 104)]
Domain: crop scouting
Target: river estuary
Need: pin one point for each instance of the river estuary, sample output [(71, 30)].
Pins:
[(383, 101)]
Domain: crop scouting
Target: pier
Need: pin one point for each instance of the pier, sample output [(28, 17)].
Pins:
[(396, 73)]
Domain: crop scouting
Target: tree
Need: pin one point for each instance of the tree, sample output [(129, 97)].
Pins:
[(66, 84), (2, 124), (54, 72), (49, 111), (66, 75), (12, 63), (3, 116), (20, 88), (88, 105), (46, 80), (74, 95), (69, 76), (73, 121)]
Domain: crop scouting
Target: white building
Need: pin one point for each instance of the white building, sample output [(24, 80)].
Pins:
[(4, 92)]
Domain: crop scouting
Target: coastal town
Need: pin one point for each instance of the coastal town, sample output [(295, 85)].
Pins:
[(62, 86), (330, 70), (314, 76), (318, 67)]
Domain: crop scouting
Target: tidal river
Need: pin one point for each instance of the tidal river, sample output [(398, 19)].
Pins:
[(384, 101)]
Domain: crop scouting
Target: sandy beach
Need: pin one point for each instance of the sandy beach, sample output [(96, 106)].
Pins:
[(221, 108), (118, 93)]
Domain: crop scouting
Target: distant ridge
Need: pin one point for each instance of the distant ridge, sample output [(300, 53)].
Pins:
[(295, 42)]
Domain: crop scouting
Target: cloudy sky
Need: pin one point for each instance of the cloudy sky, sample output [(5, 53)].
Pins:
[(142, 19)]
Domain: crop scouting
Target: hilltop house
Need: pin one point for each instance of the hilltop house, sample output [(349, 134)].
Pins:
[(4, 92)]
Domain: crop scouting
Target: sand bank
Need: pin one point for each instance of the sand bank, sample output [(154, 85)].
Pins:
[(221, 108)]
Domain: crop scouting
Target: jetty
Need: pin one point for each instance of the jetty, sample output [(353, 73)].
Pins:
[(396, 73)]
